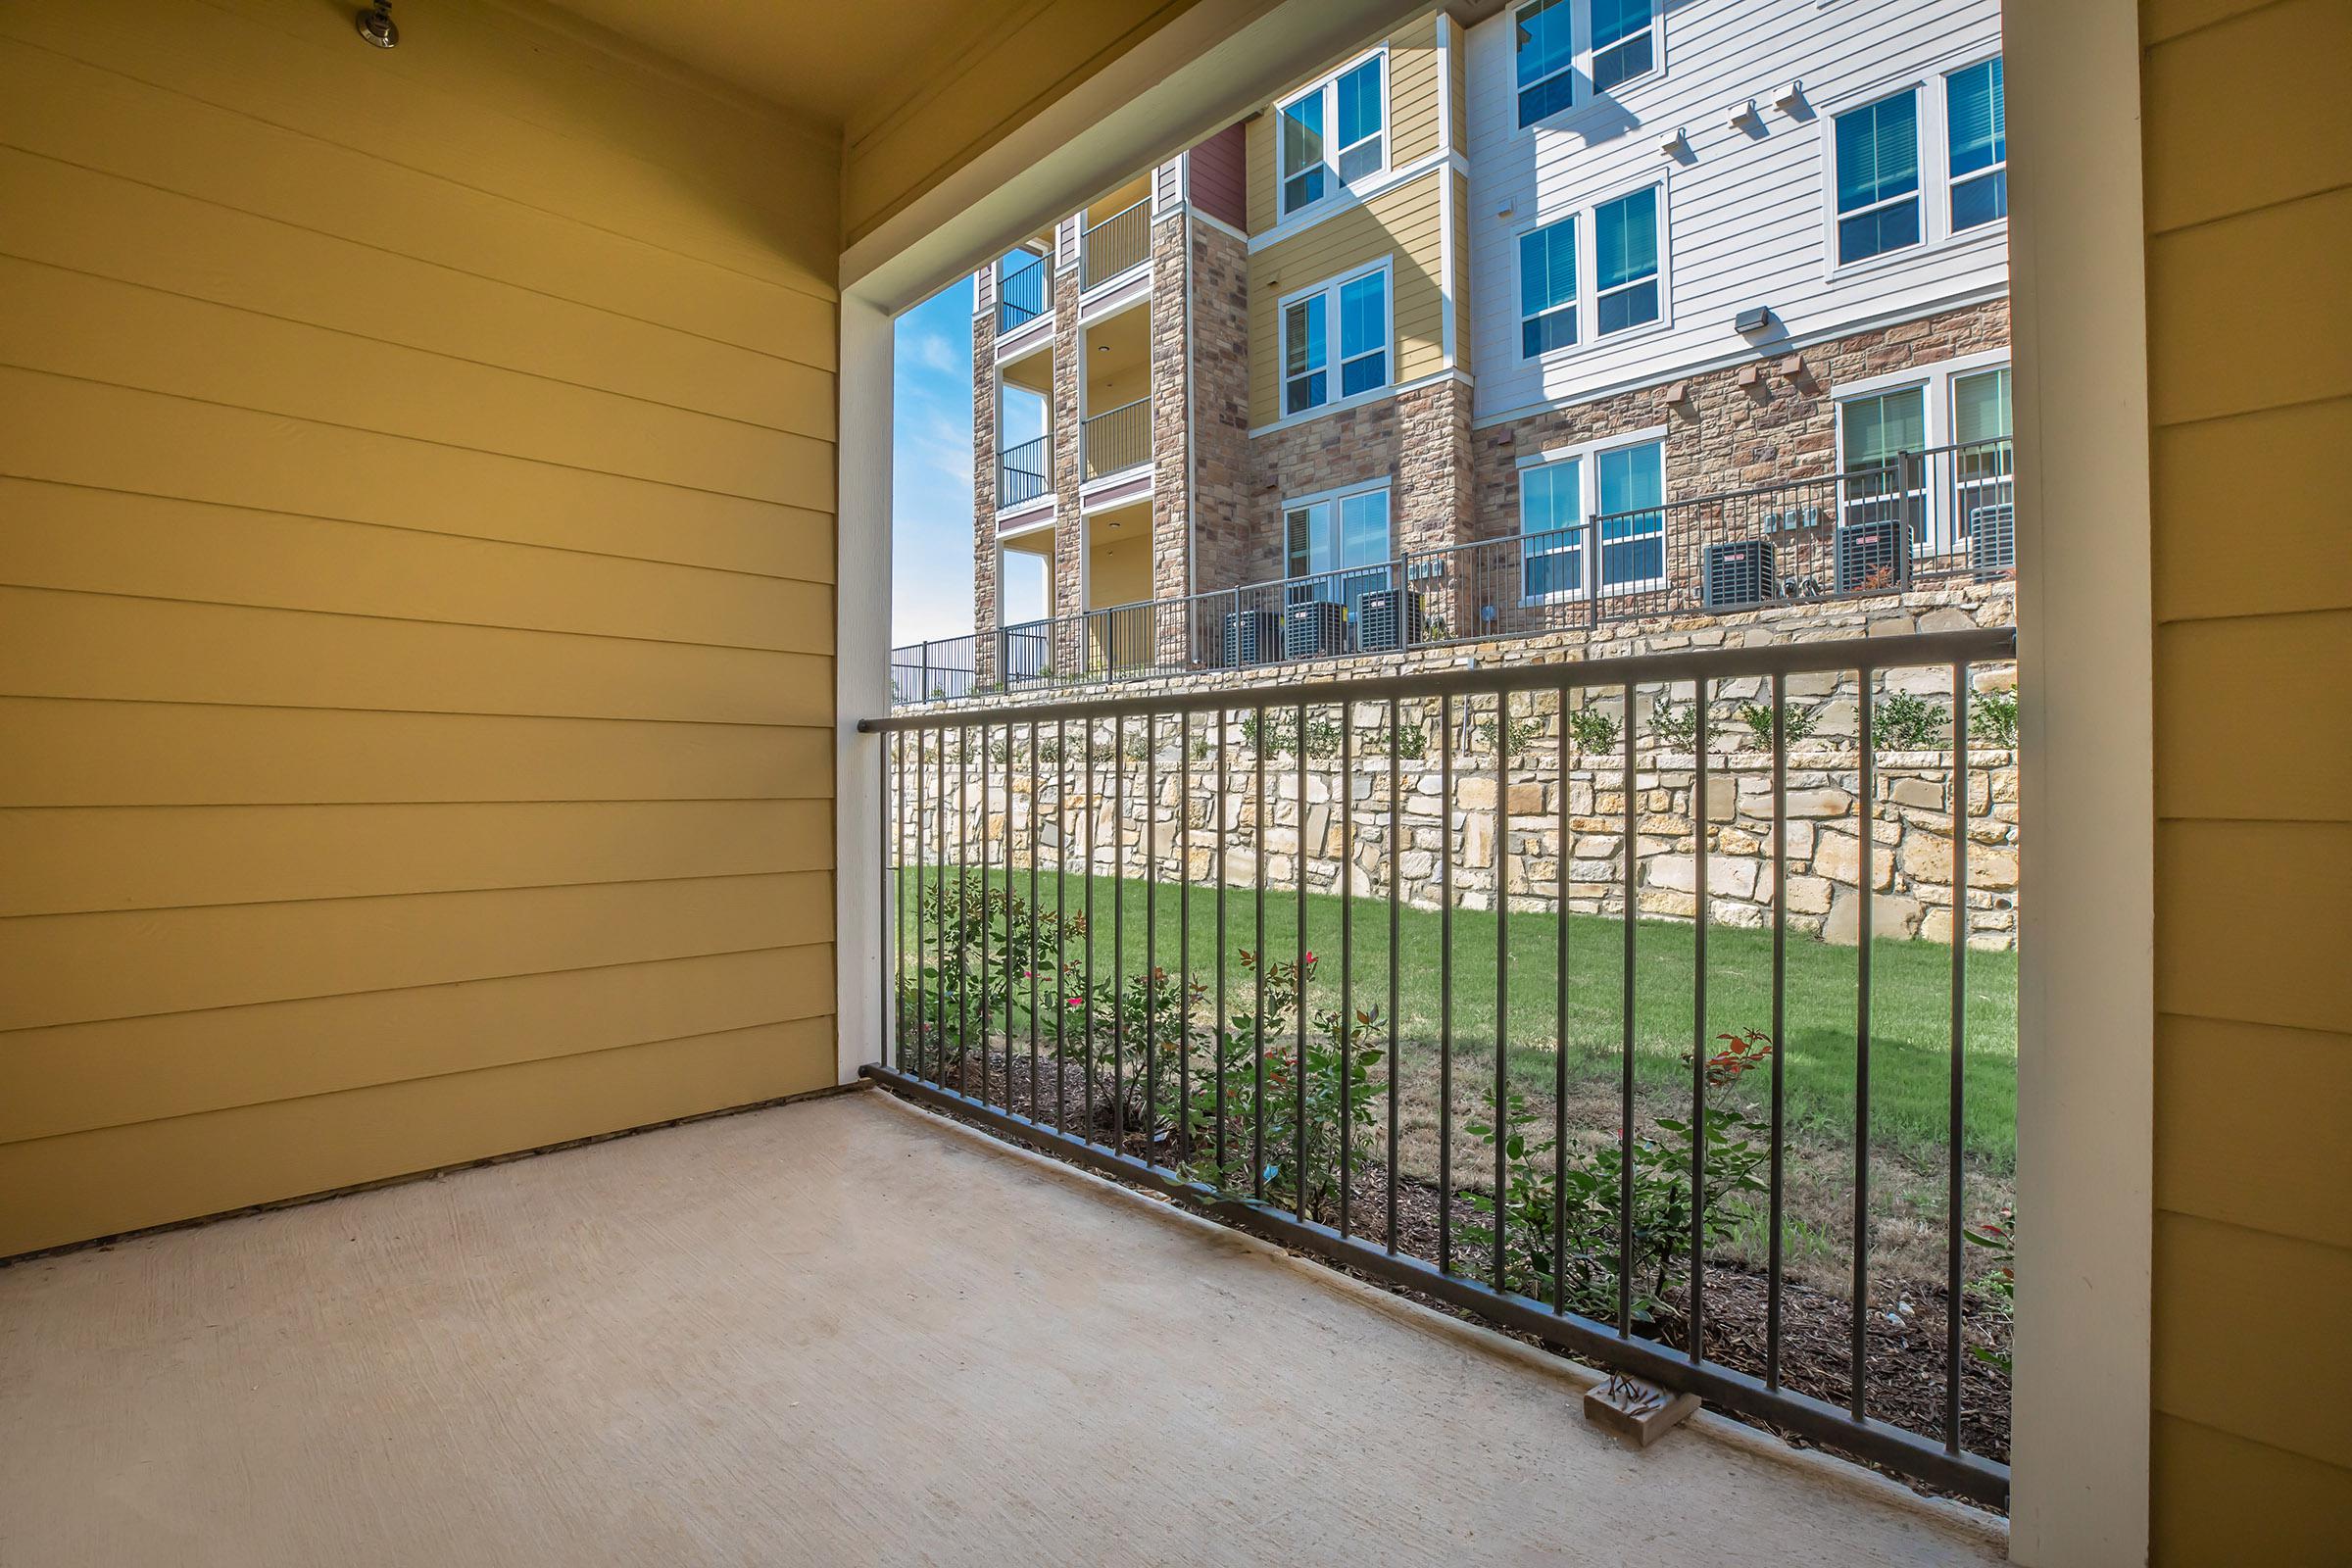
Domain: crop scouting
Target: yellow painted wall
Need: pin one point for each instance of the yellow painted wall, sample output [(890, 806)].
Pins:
[(1404, 223), (417, 491), (1413, 115), (2248, 156)]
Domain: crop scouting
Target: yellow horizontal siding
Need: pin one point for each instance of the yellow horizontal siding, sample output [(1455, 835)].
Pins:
[(1406, 223), (2247, 161), (415, 610), (1465, 322), (1413, 115), (58, 1189)]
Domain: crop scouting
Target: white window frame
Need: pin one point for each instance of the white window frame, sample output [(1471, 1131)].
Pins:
[(1332, 498), (1575, 302), (1932, 86), (2001, 168), (1939, 382), (1328, 87), (1332, 362), (1583, 95), (1588, 336), (1587, 456)]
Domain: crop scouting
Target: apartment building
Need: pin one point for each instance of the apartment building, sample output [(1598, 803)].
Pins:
[(1521, 316)]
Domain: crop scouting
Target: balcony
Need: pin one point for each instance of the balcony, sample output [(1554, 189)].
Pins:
[(1117, 440), (1116, 245), (1024, 291), (672, 1349), (1934, 516), (1024, 473)]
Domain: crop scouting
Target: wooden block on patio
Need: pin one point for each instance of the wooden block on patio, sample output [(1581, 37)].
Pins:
[(1637, 1412)]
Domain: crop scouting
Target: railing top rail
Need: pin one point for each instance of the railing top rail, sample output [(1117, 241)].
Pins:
[(1121, 408), (1975, 645)]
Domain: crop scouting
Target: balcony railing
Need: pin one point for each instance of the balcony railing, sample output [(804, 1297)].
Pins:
[(1120, 242), (1940, 515), (1082, 954), (1117, 439), (1023, 293), (933, 672), (1025, 472)]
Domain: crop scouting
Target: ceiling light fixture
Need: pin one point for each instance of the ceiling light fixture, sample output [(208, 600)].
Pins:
[(375, 26)]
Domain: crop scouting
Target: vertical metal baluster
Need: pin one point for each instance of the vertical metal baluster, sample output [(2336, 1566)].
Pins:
[(987, 864), (1625, 1133), (939, 912), (1005, 1087), (1699, 695), (1150, 928), (1061, 913), (1086, 1019), (1298, 958), (1396, 904), (1955, 1212), (1446, 983), (893, 842), (1178, 1140), (1222, 1022), (963, 913), (1345, 887), (1559, 1031), (1118, 931), (1780, 999), (1257, 1024), (922, 839), (1868, 808), (1503, 971), (1036, 917)]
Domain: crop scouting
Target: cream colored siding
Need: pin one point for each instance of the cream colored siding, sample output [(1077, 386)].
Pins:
[(1412, 122), (416, 552), (1405, 224), (2248, 147), (1464, 337)]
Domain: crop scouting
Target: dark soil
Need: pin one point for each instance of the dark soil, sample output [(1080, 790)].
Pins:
[(1904, 1335)]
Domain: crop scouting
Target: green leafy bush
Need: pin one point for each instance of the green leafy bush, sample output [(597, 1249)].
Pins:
[(1278, 736), (1524, 732), (1797, 724), (1998, 1286), (1903, 722), (1674, 726), (1593, 730), (1992, 718)]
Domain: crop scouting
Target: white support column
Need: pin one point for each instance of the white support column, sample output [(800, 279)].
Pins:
[(860, 680)]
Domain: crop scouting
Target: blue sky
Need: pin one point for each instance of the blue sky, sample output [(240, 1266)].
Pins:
[(931, 473)]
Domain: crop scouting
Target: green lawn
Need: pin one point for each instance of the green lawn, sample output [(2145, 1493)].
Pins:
[(1910, 1024)]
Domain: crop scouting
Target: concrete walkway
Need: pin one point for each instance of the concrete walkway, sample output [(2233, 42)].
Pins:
[(837, 1332)]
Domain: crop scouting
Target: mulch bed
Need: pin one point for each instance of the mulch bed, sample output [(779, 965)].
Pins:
[(1904, 1333)]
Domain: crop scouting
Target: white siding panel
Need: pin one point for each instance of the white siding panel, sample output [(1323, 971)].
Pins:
[(1746, 210)]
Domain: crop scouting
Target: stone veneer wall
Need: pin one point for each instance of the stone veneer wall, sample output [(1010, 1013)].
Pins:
[(984, 502), (1419, 441), (1912, 870)]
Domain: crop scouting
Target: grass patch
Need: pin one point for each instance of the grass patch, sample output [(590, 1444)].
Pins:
[(1136, 925)]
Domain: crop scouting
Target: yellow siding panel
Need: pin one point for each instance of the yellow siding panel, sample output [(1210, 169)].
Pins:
[(73, 753), (1405, 223), (78, 968), (415, 609), (1413, 109), (78, 1077), (2248, 112), (60, 1190), (2219, 1498), (2230, 331), (2249, 512), (2250, 921), (1464, 322), (2272, 1162), (2276, 1377), (109, 541), (2225, 687)]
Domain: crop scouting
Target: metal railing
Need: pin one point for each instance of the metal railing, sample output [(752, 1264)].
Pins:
[(1120, 242), (933, 672), (1940, 515), (1023, 293), (1243, 1056), (1025, 472), (1117, 439)]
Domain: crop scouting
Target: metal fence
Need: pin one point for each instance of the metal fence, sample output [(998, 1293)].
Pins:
[(933, 672), (1940, 515), (1117, 439), (1120, 242), (1023, 293), (1248, 1077), (1025, 472)]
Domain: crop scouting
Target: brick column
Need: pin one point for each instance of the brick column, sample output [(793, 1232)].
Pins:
[(1069, 533), (984, 495)]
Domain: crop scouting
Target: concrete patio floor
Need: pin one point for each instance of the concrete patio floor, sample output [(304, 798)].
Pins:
[(835, 1332)]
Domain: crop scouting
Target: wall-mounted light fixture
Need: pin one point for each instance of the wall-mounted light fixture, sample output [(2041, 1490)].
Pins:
[(1673, 143), (375, 26), (1786, 96), (1744, 114)]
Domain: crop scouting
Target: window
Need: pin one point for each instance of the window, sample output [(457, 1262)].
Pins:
[(1623, 264), (1633, 521), (1338, 545), (1983, 455), (1617, 491), (1361, 305), (1547, 287), (1625, 247), (1621, 44), (1930, 448), (1332, 134), (1977, 127), (1552, 529), (1877, 177)]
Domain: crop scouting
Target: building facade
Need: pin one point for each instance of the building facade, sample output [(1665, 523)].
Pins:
[(1520, 317)]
